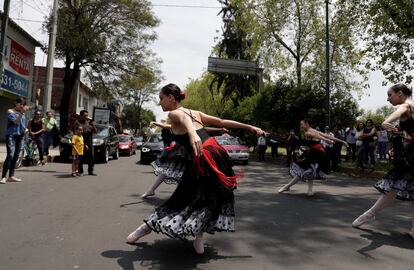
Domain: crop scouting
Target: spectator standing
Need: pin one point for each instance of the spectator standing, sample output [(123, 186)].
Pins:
[(89, 128), (261, 147), (369, 142), (292, 144), (350, 133), (50, 125), (360, 152), (382, 135), (77, 150), (36, 128), (16, 124)]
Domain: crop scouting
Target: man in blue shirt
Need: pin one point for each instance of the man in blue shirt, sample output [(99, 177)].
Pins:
[(16, 124)]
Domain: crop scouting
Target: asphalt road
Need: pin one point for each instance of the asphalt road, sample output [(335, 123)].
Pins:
[(53, 221)]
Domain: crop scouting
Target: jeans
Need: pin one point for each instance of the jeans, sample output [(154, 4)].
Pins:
[(382, 149), (39, 142), (48, 140), (13, 146)]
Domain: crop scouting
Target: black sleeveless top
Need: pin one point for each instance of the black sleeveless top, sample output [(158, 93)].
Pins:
[(184, 139), (408, 125), (35, 127)]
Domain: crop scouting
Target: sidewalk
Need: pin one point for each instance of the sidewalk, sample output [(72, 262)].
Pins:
[(53, 153)]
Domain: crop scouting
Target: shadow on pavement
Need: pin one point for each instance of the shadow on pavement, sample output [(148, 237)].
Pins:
[(378, 239), (167, 254)]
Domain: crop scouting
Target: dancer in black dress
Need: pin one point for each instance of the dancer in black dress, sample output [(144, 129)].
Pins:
[(398, 183), (314, 163), (203, 200)]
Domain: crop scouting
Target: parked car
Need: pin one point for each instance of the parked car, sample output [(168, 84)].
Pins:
[(151, 149), (127, 145), (105, 144), (139, 140), (236, 148)]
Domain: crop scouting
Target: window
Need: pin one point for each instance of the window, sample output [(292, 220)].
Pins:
[(85, 103), (80, 100)]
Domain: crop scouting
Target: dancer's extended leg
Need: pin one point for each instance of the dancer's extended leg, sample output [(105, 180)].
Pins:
[(383, 201), (310, 188), (198, 244), (138, 233), (288, 185), (151, 192)]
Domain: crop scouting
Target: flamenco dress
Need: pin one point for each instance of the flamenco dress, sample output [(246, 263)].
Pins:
[(203, 200), (401, 176), (312, 164)]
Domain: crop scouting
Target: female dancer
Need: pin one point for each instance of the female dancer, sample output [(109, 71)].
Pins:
[(399, 181), (315, 162), (203, 200)]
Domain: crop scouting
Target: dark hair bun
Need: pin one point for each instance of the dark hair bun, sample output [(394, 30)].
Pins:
[(182, 96), (408, 91)]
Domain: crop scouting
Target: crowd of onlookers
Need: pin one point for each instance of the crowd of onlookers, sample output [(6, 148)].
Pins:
[(368, 145)]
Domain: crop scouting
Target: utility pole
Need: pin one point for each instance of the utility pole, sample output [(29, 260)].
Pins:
[(47, 94), (328, 77), (4, 24)]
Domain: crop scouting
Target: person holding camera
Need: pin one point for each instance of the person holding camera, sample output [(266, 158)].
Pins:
[(89, 128), (16, 125)]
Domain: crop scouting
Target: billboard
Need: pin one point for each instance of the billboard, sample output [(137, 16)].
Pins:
[(17, 65)]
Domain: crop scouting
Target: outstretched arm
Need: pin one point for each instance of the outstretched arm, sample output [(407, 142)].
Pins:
[(158, 124), (215, 121)]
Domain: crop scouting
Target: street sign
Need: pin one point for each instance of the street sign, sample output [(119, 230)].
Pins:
[(233, 66), (101, 115)]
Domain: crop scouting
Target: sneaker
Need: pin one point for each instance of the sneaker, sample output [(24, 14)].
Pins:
[(93, 174), (3, 180), (14, 179), (362, 219)]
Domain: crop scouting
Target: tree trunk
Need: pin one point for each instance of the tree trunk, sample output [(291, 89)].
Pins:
[(298, 71), (69, 82)]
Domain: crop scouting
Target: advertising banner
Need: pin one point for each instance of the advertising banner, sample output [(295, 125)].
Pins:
[(18, 62), (101, 116)]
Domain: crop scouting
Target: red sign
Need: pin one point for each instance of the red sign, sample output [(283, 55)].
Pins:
[(20, 58)]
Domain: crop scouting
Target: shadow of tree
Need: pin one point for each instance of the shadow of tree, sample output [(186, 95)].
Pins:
[(167, 254)]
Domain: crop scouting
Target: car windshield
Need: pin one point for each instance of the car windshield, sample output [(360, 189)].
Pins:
[(102, 131), (138, 139), (229, 141), (124, 139), (155, 138)]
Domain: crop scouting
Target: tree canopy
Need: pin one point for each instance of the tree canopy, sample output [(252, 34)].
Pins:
[(109, 38)]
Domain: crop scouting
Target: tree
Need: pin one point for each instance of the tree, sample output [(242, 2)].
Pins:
[(130, 120), (199, 97), (389, 35), (291, 37), (235, 43), (108, 38)]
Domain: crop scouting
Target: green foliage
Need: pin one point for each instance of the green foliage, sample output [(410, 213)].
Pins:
[(388, 33), (108, 38), (199, 97), (291, 37), (235, 43), (130, 119)]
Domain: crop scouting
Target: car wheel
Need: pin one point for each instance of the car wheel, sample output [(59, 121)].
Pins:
[(116, 154), (106, 157), (245, 162)]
